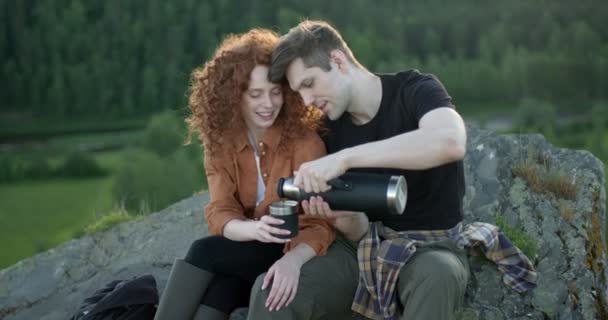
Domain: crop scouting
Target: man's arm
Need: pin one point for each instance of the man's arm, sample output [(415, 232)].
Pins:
[(440, 139), (353, 225)]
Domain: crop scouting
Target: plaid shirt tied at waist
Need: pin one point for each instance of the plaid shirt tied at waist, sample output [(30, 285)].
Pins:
[(381, 260)]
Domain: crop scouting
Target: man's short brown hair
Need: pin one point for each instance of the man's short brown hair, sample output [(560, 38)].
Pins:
[(312, 41)]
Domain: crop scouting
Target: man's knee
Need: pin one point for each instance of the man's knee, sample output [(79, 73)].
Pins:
[(440, 272), (258, 309), (258, 296), (325, 290), (257, 300), (445, 268)]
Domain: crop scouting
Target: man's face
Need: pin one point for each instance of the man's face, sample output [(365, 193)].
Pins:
[(327, 90)]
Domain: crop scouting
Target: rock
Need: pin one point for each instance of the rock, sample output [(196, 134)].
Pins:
[(51, 285), (569, 233), (562, 221)]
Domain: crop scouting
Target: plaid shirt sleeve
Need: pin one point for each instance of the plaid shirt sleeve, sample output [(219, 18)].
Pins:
[(381, 261)]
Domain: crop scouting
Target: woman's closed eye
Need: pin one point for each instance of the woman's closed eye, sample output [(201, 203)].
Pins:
[(255, 93), (276, 91)]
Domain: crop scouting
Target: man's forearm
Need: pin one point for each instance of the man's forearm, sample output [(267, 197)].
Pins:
[(440, 139), (414, 150), (354, 227)]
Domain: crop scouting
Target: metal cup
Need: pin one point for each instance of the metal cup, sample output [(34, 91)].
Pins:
[(286, 210)]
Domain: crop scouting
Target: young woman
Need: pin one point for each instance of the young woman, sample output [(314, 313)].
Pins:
[(254, 132)]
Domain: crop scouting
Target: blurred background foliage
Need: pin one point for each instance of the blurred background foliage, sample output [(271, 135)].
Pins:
[(93, 92)]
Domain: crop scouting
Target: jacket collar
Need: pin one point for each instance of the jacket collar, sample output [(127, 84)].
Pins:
[(271, 138)]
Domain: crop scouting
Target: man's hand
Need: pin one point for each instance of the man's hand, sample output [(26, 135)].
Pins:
[(317, 207), (284, 275), (312, 176), (352, 224)]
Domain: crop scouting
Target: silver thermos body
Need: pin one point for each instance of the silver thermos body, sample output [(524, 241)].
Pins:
[(374, 194)]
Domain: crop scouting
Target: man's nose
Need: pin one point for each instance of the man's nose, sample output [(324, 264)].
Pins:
[(307, 98)]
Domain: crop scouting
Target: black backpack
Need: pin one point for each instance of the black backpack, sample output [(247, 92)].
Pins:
[(134, 299)]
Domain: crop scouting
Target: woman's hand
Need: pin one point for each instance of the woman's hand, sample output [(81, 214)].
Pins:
[(284, 275), (264, 230)]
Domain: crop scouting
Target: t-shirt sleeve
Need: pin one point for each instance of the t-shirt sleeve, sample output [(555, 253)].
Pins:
[(425, 94)]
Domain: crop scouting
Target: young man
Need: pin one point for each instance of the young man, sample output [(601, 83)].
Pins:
[(403, 124)]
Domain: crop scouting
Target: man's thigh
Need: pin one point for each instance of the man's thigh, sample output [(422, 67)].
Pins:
[(325, 290), (433, 283)]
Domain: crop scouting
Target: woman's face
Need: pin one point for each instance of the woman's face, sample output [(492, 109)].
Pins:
[(262, 101)]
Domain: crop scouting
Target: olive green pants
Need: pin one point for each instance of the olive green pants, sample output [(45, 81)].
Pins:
[(431, 285)]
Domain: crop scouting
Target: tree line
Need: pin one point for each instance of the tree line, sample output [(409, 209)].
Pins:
[(127, 58)]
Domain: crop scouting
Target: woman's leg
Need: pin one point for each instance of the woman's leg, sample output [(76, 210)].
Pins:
[(183, 291), (242, 259), (226, 293), (235, 265)]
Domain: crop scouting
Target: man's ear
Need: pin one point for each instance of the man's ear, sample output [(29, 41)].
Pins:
[(339, 58)]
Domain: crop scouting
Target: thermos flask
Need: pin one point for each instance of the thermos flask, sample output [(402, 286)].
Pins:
[(374, 194)]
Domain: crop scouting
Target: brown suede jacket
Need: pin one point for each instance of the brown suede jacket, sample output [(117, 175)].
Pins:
[(233, 184)]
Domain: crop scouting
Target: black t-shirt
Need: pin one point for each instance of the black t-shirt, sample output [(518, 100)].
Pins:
[(434, 199)]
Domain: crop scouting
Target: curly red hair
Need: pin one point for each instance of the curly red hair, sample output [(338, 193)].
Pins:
[(217, 87)]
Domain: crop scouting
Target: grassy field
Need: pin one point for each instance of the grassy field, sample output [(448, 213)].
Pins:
[(34, 215), (38, 215)]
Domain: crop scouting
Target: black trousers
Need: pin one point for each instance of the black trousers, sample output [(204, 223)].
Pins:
[(236, 265)]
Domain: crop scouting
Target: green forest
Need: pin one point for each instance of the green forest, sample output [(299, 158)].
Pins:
[(69, 58), (89, 86)]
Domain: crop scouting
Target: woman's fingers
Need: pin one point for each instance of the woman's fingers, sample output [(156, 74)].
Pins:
[(268, 223), (276, 231), (268, 233), (285, 275), (278, 287), (270, 220), (270, 238), (286, 294), (268, 277), (294, 290)]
